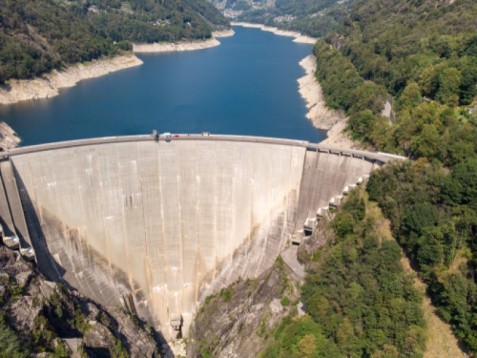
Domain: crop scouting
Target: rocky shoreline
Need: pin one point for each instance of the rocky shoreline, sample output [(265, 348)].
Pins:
[(159, 47), (8, 137), (322, 117), (48, 85), (299, 38)]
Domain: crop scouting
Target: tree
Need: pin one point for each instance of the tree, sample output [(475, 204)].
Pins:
[(419, 217), (411, 96), (307, 346), (449, 86), (461, 186), (427, 142)]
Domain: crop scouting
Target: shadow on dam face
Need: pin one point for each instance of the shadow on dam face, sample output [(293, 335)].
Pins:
[(156, 226)]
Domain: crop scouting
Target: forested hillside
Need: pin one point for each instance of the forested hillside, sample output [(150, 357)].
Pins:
[(153, 21), (426, 59), (423, 54), (38, 36), (359, 300), (312, 17)]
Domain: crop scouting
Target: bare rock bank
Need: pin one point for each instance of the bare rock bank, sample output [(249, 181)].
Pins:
[(49, 85), (323, 117), (237, 321), (159, 47), (299, 38), (8, 137)]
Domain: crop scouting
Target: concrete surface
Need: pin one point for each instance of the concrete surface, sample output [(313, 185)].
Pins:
[(168, 223), (16, 220)]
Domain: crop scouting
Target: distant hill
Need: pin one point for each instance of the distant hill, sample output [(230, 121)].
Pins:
[(312, 17), (38, 36)]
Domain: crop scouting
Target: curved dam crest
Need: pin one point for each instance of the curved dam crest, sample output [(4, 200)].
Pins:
[(157, 225)]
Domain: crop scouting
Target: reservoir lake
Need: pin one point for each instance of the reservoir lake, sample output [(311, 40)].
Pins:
[(246, 86)]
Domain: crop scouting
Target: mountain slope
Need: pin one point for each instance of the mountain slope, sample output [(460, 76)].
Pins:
[(38, 36), (423, 53), (311, 17), (46, 318), (153, 21)]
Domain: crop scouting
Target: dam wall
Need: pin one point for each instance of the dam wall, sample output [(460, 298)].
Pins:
[(156, 225), (325, 176)]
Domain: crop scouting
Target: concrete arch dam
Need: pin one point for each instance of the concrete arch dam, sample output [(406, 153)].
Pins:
[(156, 225)]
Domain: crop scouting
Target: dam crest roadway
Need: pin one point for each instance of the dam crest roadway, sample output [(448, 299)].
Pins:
[(158, 222)]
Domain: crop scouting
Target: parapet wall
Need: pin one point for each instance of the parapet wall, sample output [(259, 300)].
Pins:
[(158, 224)]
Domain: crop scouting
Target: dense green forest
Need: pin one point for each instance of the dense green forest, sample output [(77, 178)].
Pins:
[(359, 300), (423, 55), (41, 35), (153, 21), (434, 217)]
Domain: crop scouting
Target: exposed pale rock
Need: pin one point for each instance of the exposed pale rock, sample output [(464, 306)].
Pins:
[(8, 137), (322, 117), (300, 38), (159, 47), (49, 85)]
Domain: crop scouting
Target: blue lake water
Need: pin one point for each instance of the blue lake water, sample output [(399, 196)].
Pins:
[(246, 86)]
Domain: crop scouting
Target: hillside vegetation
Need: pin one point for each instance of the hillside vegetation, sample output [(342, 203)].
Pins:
[(41, 35), (359, 300), (312, 17), (153, 21), (424, 55)]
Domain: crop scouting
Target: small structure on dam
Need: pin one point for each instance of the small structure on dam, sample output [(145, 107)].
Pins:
[(157, 225)]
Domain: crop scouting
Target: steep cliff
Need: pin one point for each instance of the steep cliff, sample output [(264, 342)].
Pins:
[(38, 315), (238, 320)]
